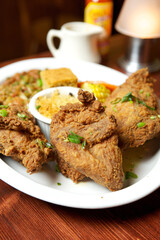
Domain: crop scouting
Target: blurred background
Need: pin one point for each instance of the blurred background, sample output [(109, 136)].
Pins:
[(24, 23)]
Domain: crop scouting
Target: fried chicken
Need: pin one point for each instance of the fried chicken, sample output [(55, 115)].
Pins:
[(22, 139), (96, 153), (135, 108)]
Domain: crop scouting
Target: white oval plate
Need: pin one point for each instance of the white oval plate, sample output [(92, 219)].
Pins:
[(88, 195)]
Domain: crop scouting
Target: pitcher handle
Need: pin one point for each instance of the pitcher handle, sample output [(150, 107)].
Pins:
[(50, 35)]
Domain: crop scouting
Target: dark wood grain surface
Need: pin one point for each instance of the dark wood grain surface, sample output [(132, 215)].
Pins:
[(25, 217)]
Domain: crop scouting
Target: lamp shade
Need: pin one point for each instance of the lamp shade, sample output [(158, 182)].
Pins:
[(139, 19)]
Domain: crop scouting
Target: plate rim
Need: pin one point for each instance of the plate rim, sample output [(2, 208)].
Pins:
[(89, 205)]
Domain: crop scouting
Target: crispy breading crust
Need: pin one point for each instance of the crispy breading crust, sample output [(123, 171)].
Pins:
[(22, 139), (101, 160), (128, 114)]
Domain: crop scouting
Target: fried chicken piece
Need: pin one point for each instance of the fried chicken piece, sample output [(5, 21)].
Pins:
[(69, 171), (97, 155), (22, 139), (135, 108)]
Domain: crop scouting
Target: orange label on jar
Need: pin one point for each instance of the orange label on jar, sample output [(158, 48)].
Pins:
[(100, 14)]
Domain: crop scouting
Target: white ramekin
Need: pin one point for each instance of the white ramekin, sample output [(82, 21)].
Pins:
[(44, 122)]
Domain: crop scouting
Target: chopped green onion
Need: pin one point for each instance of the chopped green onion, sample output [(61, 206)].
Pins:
[(58, 183), (43, 144), (153, 117), (144, 104), (74, 138), (114, 108), (117, 100), (38, 106), (40, 143), (22, 116), (90, 133), (130, 175), (3, 113), (57, 168), (129, 97), (141, 91), (66, 140), (140, 124), (4, 106), (49, 145), (84, 144), (39, 82)]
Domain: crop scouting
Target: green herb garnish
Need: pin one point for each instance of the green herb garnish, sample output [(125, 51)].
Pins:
[(144, 104), (39, 82), (147, 95), (57, 168), (74, 138), (22, 116), (3, 113), (140, 124), (49, 145), (114, 108), (40, 143), (4, 106), (58, 183), (141, 91), (153, 117), (130, 175), (129, 97), (38, 106), (66, 140), (84, 144), (117, 100)]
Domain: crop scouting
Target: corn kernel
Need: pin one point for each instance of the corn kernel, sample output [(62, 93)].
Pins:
[(99, 90)]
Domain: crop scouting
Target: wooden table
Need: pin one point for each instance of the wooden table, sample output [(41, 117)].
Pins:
[(25, 217)]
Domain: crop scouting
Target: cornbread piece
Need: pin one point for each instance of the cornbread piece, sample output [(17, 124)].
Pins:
[(86, 142), (21, 138), (58, 77)]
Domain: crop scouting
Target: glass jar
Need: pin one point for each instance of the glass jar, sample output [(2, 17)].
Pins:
[(100, 12)]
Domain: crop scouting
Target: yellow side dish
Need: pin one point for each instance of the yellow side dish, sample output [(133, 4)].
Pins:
[(58, 77), (99, 90), (47, 106)]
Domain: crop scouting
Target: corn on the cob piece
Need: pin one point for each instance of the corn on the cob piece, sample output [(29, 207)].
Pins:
[(99, 90)]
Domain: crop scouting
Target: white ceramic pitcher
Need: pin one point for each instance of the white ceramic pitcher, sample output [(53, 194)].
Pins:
[(78, 40)]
